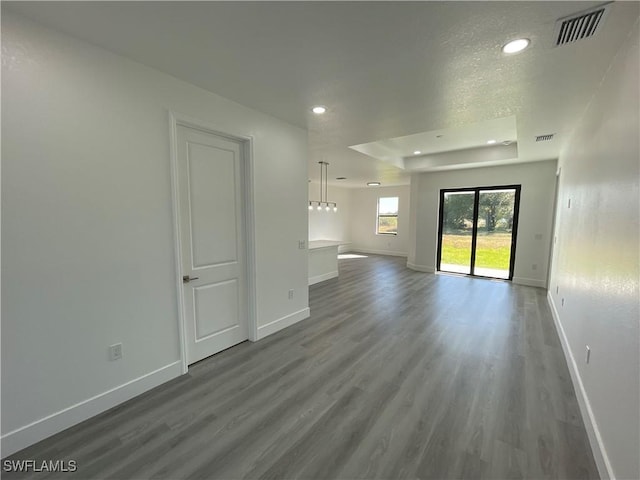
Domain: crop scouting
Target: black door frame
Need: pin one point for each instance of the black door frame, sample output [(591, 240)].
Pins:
[(474, 232)]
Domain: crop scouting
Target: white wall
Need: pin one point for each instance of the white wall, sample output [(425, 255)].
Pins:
[(87, 232), (330, 225), (364, 210), (595, 265), (535, 217)]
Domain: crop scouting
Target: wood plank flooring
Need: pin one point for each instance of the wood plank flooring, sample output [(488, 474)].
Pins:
[(396, 374)]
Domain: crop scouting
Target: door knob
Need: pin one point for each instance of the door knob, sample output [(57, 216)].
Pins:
[(187, 279)]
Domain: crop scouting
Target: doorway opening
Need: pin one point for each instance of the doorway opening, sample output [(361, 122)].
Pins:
[(477, 231)]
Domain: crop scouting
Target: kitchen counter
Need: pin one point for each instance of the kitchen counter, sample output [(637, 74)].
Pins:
[(323, 260)]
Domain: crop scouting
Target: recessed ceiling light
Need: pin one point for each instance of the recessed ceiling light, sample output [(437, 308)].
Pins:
[(515, 46), (417, 152), (491, 142), (319, 109), (341, 178), (373, 184)]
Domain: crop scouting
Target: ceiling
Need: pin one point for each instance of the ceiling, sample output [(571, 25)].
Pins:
[(393, 75)]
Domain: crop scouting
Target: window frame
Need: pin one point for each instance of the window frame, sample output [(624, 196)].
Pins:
[(386, 215)]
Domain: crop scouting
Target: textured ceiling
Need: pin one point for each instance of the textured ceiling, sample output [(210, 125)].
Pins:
[(383, 69)]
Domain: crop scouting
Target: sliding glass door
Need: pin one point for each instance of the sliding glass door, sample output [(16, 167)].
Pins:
[(456, 231), (477, 231)]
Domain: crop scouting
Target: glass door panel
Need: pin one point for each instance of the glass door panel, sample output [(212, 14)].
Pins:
[(477, 231), (494, 226), (456, 232)]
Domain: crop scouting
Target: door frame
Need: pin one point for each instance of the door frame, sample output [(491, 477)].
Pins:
[(476, 201), (248, 217), (554, 239)]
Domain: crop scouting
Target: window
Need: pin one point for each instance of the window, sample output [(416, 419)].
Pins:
[(387, 216)]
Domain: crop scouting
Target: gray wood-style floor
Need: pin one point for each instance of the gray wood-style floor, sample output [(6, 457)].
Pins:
[(396, 374)]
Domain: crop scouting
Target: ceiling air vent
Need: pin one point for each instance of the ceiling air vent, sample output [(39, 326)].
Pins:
[(544, 138), (580, 25)]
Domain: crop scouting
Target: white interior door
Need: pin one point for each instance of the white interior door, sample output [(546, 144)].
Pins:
[(212, 242)]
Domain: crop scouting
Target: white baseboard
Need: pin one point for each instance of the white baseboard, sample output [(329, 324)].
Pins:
[(284, 322), (595, 439), (345, 247), (529, 282), (322, 278), (421, 268), (379, 252), (45, 427)]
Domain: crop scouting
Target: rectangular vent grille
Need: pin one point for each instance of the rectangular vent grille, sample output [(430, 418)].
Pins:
[(544, 138), (581, 25)]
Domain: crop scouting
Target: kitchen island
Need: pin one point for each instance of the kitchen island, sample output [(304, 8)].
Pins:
[(323, 260)]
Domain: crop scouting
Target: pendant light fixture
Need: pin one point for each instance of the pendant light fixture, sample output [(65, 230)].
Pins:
[(323, 202)]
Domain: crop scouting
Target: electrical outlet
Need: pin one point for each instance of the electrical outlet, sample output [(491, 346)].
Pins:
[(563, 302), (115, 351), (302, 244), (538, 236), (534, 266), (588, 355), (290, 294), (557, 289), (569, 203)]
